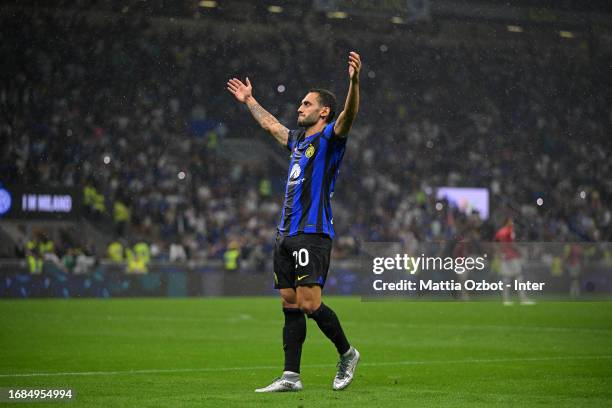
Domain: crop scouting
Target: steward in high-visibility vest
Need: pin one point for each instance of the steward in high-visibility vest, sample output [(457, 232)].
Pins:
[(99, 205), (230, 257), (212, 140), (33, 257), (143, 252), (93, 199), (121, 213), (135, 264), (115, 251), (46, 246), (89, 194), (265, 188)]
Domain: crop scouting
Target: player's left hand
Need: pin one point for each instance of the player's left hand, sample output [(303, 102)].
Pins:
[(354, 66)]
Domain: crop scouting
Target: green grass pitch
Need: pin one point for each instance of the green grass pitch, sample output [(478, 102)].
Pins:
[(215, 352)]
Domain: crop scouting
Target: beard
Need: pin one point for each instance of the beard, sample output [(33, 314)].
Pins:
[(307, 121)]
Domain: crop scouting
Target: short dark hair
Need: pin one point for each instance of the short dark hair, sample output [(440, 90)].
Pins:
[(326, 98)]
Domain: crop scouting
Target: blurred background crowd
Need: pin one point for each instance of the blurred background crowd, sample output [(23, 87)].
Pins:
[(136, 116)]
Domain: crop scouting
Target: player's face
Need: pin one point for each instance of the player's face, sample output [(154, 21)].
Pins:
[(309, 111)]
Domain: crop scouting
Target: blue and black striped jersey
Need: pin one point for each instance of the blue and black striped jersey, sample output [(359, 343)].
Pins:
[(313, 169)]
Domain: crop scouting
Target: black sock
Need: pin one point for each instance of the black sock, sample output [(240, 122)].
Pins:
[(330, 326), (294, 334)]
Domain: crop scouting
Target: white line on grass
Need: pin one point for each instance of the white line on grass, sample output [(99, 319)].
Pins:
[(493, 326), (241, 318), (218, 369)]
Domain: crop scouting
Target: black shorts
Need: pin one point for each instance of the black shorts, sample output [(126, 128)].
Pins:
[(301, 260)]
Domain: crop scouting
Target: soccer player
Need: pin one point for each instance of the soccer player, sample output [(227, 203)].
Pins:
[(305, 232), (510, 262)]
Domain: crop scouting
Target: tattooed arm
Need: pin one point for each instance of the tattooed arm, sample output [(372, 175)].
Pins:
[(268, 121), (244, 93)]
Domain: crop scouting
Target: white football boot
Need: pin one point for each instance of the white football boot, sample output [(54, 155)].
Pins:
[(283, 384), (346, 369)]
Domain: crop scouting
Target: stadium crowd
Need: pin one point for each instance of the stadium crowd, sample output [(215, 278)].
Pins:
[(138, 115)]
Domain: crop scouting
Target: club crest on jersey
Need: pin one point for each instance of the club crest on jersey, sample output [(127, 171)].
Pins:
[(295, 171), (310, 151)]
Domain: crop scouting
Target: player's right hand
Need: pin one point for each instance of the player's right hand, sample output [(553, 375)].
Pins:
[(240, 91)]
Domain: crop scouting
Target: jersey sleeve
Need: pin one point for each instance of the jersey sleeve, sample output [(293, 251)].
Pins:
[(291, 139), (328, 132)]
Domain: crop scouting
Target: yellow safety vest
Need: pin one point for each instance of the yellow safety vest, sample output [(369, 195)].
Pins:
[(31, 245), (265, 188), (88, 195), (46, 246), (134, 263), (120, 212), (231, 259), (142, 251), (556, 268), (35, 264), (115, 251)]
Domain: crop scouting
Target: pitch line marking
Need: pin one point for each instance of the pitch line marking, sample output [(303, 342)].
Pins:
[(218, 369), (241, 318)]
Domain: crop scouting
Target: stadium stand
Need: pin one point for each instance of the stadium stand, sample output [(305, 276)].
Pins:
[(134, 115)]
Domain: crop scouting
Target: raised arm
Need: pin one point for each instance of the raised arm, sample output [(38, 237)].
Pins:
[(351, 106), (244, 94)]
